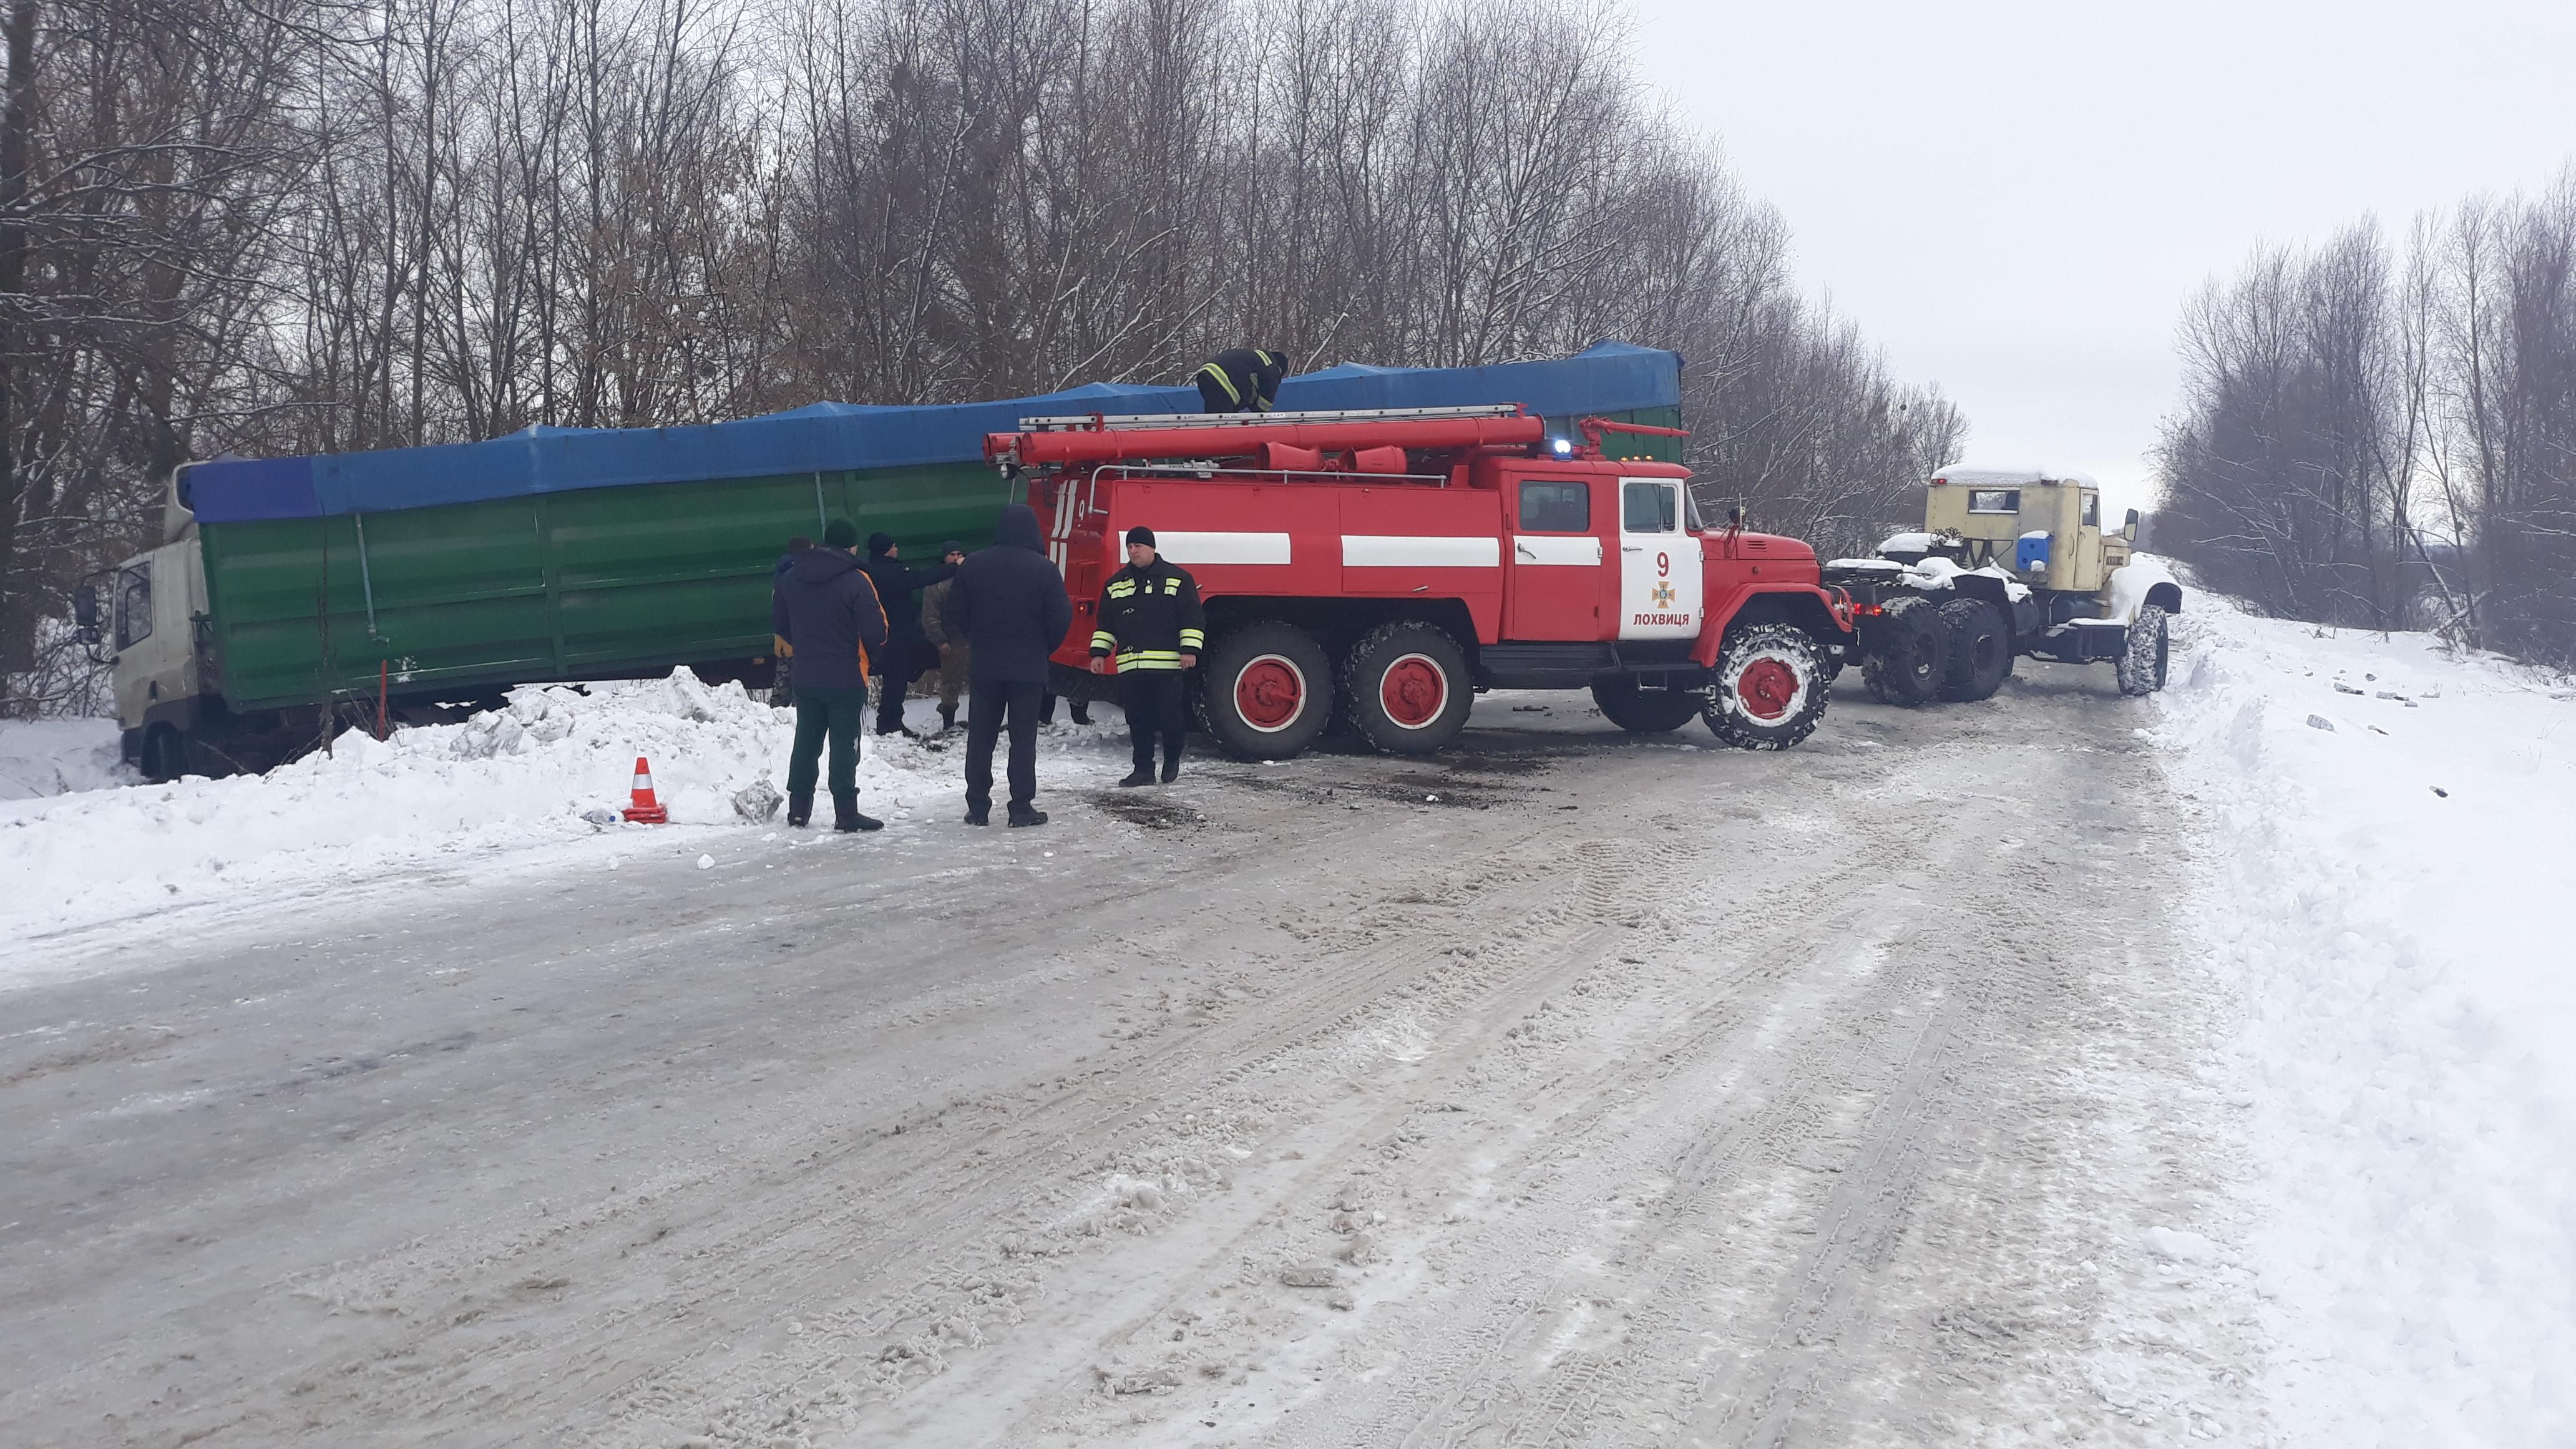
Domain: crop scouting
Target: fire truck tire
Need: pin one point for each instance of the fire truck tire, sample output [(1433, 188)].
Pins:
[(1266, 691), (1980, 650), (1408, 688), (1642, 711), (2141, 666), (1770, 690), (1905, 655)]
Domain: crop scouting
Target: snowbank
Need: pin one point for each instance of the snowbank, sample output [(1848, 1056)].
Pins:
[(58, 757), (2390, 877), (496, 787)]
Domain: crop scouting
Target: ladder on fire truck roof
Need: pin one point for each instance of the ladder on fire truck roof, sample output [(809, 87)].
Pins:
[(1101, 423)]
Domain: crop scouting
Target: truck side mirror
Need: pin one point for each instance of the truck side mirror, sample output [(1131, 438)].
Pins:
[(2129, 530), (85, 613), (1735, 517)]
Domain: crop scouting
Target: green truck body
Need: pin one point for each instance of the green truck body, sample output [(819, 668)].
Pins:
[(591, 584)]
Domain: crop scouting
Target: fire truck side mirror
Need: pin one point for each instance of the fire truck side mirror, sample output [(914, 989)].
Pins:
[(2129, 530), (85, 613), (1735, 516)]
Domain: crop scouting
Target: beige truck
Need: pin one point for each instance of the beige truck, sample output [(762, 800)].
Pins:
[(2009, 561)]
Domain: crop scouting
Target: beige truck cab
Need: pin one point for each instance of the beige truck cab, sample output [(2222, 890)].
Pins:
[(1996, 513), (2009, 561)]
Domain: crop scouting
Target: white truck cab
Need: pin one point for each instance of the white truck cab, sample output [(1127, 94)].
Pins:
[(142, 616)]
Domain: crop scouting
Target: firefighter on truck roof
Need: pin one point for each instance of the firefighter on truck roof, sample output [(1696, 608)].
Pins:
[(1241, 380), (1150, 631)]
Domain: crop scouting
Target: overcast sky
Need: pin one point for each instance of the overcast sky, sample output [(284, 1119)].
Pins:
[(2013, 198)]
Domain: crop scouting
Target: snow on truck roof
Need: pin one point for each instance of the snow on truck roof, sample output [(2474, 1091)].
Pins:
[(2011, 477), (831, 437)]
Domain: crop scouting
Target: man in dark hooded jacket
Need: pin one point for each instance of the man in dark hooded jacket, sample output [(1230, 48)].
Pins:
[(825, 608), (898, 662), (1010, 607)]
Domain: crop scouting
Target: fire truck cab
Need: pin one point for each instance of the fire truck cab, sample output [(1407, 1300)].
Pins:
[(1383, 569)]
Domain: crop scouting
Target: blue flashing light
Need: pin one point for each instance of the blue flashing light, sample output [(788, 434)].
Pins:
[(1564, 447)]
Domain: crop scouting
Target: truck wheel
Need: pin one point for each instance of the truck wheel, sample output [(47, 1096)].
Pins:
[(1642, 711), (1906, 653), (165, 754), (1770, 690), (1408, 688), (2141, 667), (1267, 691), (1980, 650)]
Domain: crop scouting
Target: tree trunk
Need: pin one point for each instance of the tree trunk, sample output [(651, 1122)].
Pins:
[(17, 613)]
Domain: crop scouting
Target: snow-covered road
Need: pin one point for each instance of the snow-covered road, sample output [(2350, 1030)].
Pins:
[(1563, 1089)]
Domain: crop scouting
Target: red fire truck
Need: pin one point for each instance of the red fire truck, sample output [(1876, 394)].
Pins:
[(1386, 567)]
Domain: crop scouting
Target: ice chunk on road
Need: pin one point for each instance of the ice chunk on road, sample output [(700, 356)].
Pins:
[(2175, 1245)]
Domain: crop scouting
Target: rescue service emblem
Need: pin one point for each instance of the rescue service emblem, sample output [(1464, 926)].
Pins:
[(1663, 593)]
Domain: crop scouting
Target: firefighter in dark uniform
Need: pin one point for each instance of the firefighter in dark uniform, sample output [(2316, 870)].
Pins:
[(1241, 380), (1150, 631)]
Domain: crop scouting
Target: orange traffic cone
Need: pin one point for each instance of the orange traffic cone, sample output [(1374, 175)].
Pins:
[(646, 810)]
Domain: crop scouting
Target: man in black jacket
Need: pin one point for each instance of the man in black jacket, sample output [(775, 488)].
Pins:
[(898, 662), (1009, 605), (825, 608), (1240, 380), (1151, 625)]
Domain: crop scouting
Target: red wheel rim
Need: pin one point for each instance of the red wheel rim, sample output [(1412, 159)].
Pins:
[(1270, 692), (1414, 690), (1767, 688)]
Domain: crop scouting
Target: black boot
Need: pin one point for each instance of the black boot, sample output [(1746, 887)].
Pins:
[(979, 814), (1081, 712), (846, 816), (1141, 775), (800, 807), (947, 718), (1023, 816), (1171, 768)]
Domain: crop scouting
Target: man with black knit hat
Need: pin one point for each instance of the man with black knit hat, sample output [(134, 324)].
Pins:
[(823, 607), (1149, 634), (898, 661)]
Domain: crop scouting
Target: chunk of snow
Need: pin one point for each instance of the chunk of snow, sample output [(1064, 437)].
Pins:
[(706, 862), (2177, 1246)]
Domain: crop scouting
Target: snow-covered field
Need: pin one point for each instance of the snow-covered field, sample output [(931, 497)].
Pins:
[(505, 790), (2389, 881), (59, 757)]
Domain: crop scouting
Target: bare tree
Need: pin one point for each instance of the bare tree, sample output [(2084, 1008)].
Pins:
[(2369, 442)]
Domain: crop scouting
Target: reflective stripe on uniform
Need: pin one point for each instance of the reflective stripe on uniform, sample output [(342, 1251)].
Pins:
[(1223, 381), (1150, 659), (1121, 588), (1191, 640), (1102, 641)]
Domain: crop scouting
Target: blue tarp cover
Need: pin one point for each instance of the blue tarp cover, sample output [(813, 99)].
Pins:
[(827, 437)]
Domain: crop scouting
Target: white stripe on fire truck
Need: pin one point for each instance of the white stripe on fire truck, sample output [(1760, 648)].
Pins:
[(1539, 548), (1416, 551), (1199, 547)]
